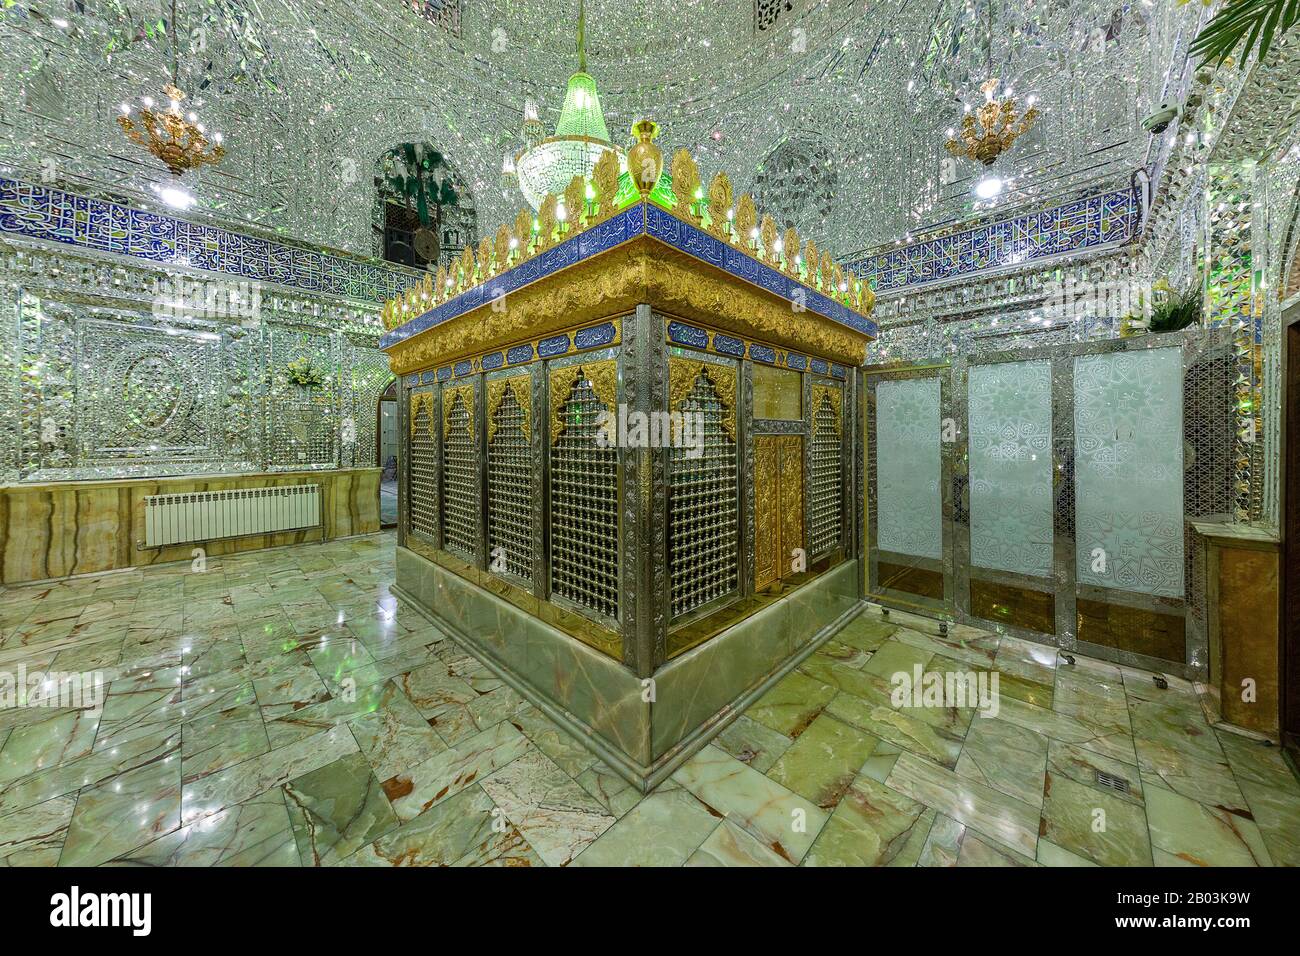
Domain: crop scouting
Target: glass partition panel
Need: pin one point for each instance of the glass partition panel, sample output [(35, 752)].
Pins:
[(1128, 427), (909, 505), (1010, 434)]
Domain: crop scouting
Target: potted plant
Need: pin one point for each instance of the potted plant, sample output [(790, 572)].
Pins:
[(1169, 311), (303, 374)]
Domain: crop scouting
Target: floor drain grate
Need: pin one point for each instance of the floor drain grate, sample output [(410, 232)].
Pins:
[(1111, 782)]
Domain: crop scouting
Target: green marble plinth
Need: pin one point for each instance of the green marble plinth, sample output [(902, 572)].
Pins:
[(644, 729)]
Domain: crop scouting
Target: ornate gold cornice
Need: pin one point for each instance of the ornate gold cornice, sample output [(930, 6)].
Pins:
[(496, 393), (603, 376), (466, 394), (681, 378), (834, 395), (641, 270)]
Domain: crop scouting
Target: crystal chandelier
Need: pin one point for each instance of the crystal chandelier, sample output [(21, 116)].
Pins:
[(989, 130), (173, 135), (548, 164)]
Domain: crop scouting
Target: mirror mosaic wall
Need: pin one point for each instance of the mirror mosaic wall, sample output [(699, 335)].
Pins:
[(128, 371)]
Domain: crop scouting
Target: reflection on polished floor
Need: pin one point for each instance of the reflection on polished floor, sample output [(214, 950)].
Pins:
[(228, 737)]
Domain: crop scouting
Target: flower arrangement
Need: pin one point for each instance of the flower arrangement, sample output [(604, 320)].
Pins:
[(303, 373), (1166, 311)]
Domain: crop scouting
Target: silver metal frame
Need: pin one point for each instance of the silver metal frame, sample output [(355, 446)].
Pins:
[(1209, 500)]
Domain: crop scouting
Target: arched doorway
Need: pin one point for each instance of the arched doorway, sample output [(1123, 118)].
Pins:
[(424, 212), (386, 454)]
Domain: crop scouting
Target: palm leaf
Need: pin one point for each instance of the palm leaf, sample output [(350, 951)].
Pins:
[(1254, 23)]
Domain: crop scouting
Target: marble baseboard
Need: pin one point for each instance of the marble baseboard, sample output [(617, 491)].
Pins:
[(642, 735), (57, 529)]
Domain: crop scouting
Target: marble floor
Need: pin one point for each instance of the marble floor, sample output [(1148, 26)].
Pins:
[(283, 708)]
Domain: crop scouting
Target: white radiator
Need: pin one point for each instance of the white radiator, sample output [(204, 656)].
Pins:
[(205, 515)]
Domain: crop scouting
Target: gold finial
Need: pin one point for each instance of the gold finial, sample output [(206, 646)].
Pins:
[(485, 257), (790, 249), (502, 247), (686, 184), (426, 290), (768, 233), (720, 198), (868, 299), (466, 269), (605, 177), (440, 284), (810, 263), (575, 202), (645, 160), (523, 233), (828, 269), (746, 217), (546, 217)]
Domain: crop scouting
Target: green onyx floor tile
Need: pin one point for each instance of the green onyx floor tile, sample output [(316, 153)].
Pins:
[(1201, 774), (864, 633), (775, 815), (1103, 704), (565, 752), (35, 836), (1093, 824), (791, 704), (1277, 814), (338, 655), (839, 675), (1006, 757), (1091, 769), (463, 824), (894, 657), (1071, 730), (752, 743), (89, 771), (59, 739), (337, 809), (415, 789), (613, 792), (432, 687), (881, 761), (901, 727), (843, 653), (1026, 659), (1011, 822), (256, 833), (873, 825), (128, 811), (257, 775), (222, 739), (502, 848), (393, 735), (1202, 835), (494, 706), (558, 818), (973, 649), (1050, 854), (664, 829), (823, 762), (454, 723), (1257, 761), (951, 843), (731, 845)]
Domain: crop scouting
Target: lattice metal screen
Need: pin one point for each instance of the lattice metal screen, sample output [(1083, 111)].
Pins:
[(460, 506), (584, 506), (825, 491), (422, 488), (702, 522), (510, 489)]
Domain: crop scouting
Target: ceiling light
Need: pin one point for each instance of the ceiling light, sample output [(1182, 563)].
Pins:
[(988, 187)]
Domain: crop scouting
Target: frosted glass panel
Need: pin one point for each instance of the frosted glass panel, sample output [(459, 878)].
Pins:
[(909, 511), (1010, 415), (1128, 428)]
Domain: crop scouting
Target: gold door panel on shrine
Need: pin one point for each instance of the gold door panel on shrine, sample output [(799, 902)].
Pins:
[(778, 506)]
